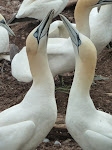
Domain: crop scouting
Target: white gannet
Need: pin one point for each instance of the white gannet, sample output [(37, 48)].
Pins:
[(90, 128), (25, 125), (58, 30), (4, 38), (20, 67), (101, 27), (60, 51), (39, 8)]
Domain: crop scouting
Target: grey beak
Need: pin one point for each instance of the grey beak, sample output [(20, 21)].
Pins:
[(103, 2), (74, 34), (43, 28), (8, 29)]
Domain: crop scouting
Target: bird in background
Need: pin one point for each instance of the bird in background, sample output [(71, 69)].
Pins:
[(5, 31)]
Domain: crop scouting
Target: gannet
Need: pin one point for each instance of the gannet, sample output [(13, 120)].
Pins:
[(39, 8), (101, 27), (90, 128), (60, 51), (102, 19), (4, 38), (25, 125), (58, 30)]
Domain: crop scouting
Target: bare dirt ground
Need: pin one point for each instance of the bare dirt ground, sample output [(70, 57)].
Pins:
[(12, 91)]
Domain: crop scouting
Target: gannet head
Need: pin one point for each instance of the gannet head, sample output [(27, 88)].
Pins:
[(83, 46), (37, 39), (94, 3), (4, 24), (85, 57)]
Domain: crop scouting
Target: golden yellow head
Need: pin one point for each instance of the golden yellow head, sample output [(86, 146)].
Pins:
[(87, 50), (37, 39), (83, 46)]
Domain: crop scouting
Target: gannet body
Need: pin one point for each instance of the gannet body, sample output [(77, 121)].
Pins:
[(4, 38), (20, 60), (39, 8), (90, 128), (101, 27), (58, 30), (20, 68), (56, 46), (25, 125)]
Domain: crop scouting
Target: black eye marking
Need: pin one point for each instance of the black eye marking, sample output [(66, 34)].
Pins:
[(2, 21), (36, 35), (79, 41)]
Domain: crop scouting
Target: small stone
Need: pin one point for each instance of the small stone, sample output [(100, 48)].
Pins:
[(46, 140), (57, 143), (23, 38)]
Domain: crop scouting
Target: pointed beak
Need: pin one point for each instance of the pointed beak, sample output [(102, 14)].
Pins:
[(103, 2), (74, 34), (98, 9), (8, 29), (43, 28)]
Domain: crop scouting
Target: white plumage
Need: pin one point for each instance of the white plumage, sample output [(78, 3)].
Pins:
[(4, 38), (39, 8), (101, 27)]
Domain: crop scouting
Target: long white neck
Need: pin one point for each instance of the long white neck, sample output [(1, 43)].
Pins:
[(82, 18), (84, 74), (40, 70), (84, 69)]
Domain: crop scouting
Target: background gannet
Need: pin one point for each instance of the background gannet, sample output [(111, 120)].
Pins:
[(20, 60), (39, 8), (91, 128), (101, 27), (20, 67), (102, 19), (4, 38), (58, 30), (37, 112)]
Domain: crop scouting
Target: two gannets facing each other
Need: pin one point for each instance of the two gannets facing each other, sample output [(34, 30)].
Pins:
[(39, 8), (60, 51), (4, 38), (25, 125), (91, 128)]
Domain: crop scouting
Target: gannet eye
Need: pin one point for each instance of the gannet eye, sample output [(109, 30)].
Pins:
[(35, 34), (2, 21)]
